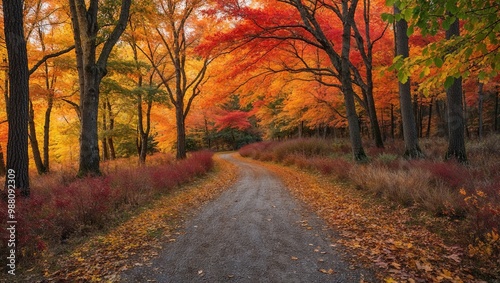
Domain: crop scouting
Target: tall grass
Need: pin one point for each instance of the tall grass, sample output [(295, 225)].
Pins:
[(469, 192), (62, 207)]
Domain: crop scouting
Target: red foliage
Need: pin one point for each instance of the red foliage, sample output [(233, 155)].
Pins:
[(55, 214), (233, 120), (451, 173)]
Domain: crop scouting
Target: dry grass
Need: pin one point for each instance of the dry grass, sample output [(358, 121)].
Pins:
[(384, 238), (465, 197), (138, 239), (62, 208)]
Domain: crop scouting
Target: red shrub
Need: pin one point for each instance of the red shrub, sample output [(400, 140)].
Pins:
[(451, 173), (53, 214)]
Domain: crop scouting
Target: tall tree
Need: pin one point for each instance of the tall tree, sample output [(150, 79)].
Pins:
[(365, 47), (458, 56), (17, 145), (412, 149), (91, 69), (456, 121), (177, 37), (340, 61)]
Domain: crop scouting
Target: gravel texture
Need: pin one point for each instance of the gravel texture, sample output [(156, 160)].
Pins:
[(254, 232)]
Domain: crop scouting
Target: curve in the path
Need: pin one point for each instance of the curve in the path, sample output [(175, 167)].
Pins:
[(254, 232)]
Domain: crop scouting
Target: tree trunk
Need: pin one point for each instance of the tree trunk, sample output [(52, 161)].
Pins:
[(442, 118), (366, 53), (372, 114), (143, 131), (456, 123), (496, 111), (412, 149), (480, 111), (37, 157), (430, 118), (18, 102), (46, 131), (207, 135), (466, 126), (111, 145), (104, 140), (3, 170), (90, 72), (393, 122), (345, 76), (181, 132)]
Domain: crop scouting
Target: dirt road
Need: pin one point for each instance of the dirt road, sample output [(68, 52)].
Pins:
[(254, 232)]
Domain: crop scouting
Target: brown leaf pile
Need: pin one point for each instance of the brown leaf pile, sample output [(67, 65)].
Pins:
[(381, 237), (139, 239)]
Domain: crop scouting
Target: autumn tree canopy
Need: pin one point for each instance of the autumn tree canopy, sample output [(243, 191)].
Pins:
[(110, 80)]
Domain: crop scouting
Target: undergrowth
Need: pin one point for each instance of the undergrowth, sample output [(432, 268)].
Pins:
[(62, 207), (466, 196)]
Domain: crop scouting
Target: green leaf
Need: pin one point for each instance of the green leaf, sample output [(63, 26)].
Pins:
[(482, 75), (468, 52), (451, 6), (387, 17), (481, 46), (407, 13), (402, 77), (438, 62), (426, 71), (448, 22), (410, 30), (390, 2), (449, 82)]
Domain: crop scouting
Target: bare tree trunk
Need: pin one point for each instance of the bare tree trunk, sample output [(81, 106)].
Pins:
[(91, 69), (430, 118), (37, 157), (345, 75), (181, 131), (466, 126), (207, 135), (104, 140), (366, 52), (496, 111), (412, 149), (3, 170), (393, 122), (480, 111), (18, 102), (111, 145), (46, 130), (456, 123)]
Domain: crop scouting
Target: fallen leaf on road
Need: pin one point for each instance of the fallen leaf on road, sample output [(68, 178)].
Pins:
[(329, 271)]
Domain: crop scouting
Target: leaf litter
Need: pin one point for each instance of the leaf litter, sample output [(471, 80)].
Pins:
[(378, 236), (138, 240)]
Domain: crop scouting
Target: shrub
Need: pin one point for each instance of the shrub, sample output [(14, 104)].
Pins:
[(57, 211), (255, 149), (408, 187), (451, 173), (306, 147)]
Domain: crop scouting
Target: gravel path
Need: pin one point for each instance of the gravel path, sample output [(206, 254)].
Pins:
[(254, 232)]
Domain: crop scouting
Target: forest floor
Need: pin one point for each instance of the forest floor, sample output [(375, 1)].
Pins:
[(254, 232), (251, 221)]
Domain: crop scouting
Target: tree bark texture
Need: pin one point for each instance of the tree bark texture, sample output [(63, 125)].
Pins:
[(456, 121), (341, 63), (412, 149), (91, 70), (37, 156), (18, 102), (347, 89)]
